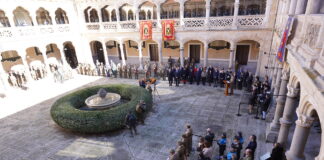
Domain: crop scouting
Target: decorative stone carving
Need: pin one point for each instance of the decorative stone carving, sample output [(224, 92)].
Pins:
[(304, 121), (292, 92), (250, 21), (285, 75), (312, 33), (284, 121)]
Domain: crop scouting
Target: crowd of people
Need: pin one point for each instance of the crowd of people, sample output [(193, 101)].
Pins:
[(205, 147)]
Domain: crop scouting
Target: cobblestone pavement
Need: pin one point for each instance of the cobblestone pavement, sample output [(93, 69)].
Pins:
[(32, 135)]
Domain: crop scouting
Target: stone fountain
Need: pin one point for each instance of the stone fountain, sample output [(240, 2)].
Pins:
[(103, 100)]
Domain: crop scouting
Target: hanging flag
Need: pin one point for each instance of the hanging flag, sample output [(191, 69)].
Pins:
[(146, 30), (282, 47), (168, 30)]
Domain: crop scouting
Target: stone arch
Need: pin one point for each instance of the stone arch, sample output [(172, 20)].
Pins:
[(171, 48), (97, 52), (70, 54), (10, 58), (170, 9), (194, 50), (113, 15), (105, 14), (194, 8), (86, 14), (4, 21), (219, 49), (43, 17), (124, 11), (22, 17), (149, 8), (61, 17), (221, 7), (93, 17)]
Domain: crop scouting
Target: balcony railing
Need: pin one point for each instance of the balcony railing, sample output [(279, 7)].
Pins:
[(220, 23), (250, 21), (187, 24), (27, 31)]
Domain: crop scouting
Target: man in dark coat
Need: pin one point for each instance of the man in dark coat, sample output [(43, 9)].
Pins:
[(177, 75), (198, 75), (216, 76), (170, 76), (130, 121)]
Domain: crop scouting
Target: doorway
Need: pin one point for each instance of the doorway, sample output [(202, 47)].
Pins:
[(194, 53), (119, 52), (242, 54), (154, 52)]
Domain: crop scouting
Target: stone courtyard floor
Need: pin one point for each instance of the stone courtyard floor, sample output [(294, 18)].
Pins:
[(32, 135)]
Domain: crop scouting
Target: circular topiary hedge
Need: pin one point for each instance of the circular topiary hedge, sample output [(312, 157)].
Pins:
[(66, 114)]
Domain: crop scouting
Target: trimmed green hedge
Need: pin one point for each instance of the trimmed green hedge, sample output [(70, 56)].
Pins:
[(66, 114)]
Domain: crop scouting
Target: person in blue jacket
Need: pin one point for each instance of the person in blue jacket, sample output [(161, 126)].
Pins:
[(222, 144)]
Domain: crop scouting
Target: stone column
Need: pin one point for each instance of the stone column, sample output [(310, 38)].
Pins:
[(274, 77), (236, 10), (34, 18), (181, 54), (4, 77), (288, 114), (292, 8), (158, 15), (137, 18), (278, 80), (275, 125), (63, 58), (259, 62), (105, 52), (160, 52), (99, 15), (206, 54), (10, 16), (181, 12), (232, 53), (140, 56), (301, 7), (43, 50), (286, 11), (207, 12), (22, 53), (303, 126), (313, 6), (122, 52), (118, 18), (267, 12)]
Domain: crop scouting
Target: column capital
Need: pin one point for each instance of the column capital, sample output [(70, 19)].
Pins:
[(285, 75), (292, 91), (304, 121), (285, 122)]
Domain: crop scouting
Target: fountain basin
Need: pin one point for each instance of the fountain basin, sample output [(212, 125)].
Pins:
[(96, 102)]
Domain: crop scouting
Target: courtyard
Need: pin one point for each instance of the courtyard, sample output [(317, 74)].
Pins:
[(32, 135)]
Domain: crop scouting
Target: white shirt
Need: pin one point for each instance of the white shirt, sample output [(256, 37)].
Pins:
[(208, 152)]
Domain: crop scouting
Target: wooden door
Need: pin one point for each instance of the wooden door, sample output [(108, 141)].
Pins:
[(154, 52), (242, 54), (194, 54)]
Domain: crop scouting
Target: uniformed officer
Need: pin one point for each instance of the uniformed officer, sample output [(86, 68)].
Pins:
[(222, 144)]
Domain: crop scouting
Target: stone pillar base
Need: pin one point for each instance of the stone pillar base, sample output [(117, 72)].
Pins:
[(271, 134), (290, 156)]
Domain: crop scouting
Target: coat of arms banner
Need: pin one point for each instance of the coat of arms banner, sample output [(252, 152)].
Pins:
[(168, 32), (146, 30)]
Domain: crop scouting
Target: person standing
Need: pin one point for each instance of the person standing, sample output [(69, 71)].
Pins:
[(248, 155), (252, 145), (180, 151), (130, 121), (265, 106), (204, 76), (221, 78), (171, 155), (189, 133), (170, 76), (237, 146), (140, 111), (177, 75), (209, 137), (210, 72), (215, 76), (198, 75), (277, 152), (222, 144), (231, 155)]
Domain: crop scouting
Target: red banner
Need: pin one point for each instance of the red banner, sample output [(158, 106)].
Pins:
[(168, 30), (146, 30), (282, 47)]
